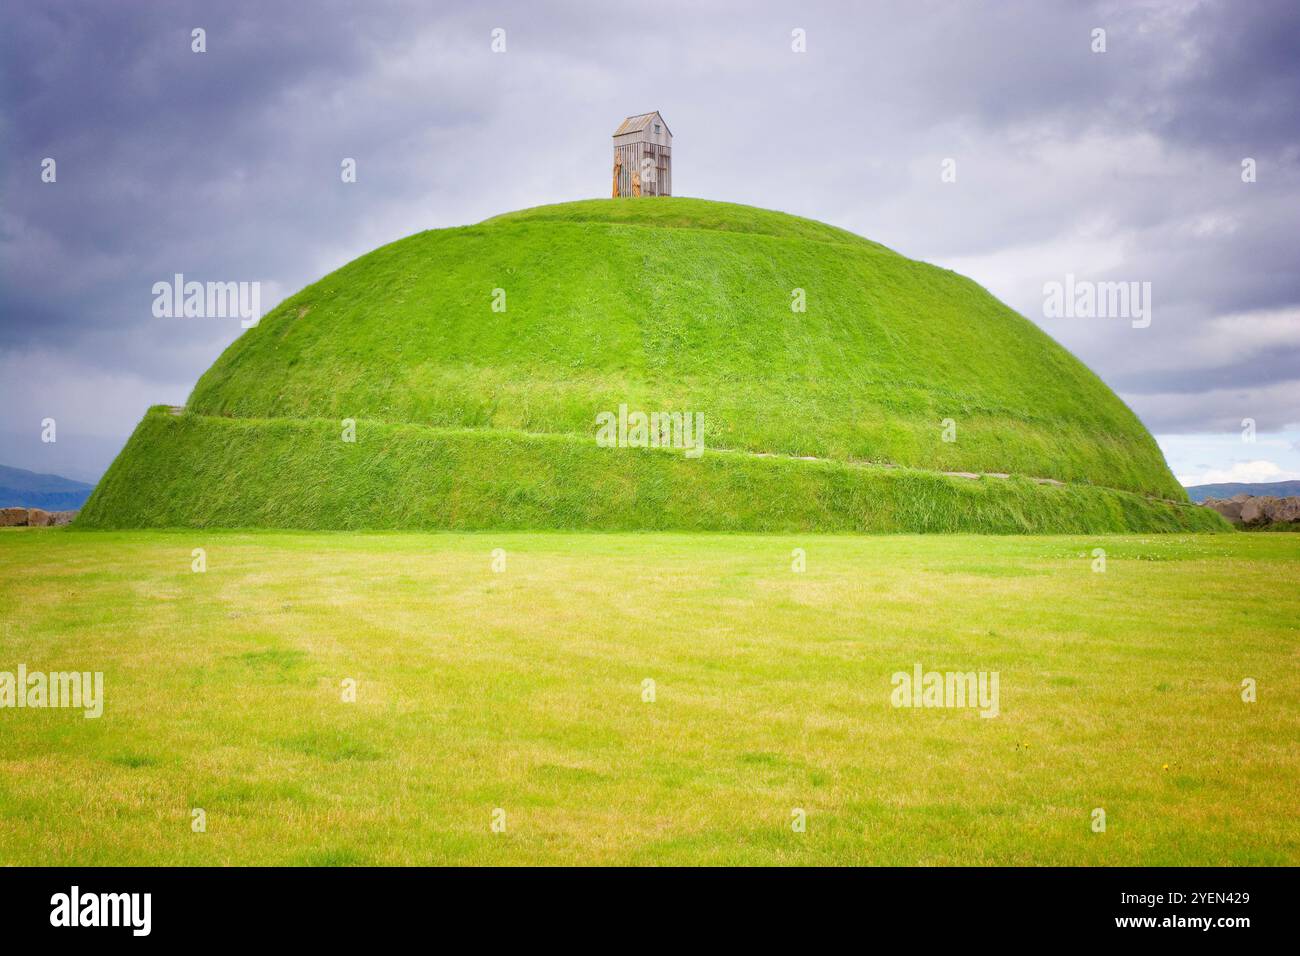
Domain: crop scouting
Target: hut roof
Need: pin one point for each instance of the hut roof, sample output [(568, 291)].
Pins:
[(639, 122)]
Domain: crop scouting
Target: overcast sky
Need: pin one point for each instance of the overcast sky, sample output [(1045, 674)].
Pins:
[(225, 165)]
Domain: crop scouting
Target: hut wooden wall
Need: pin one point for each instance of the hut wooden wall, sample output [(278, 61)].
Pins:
[(634, 147)]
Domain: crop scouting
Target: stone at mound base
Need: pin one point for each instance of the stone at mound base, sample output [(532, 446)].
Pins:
[(1268, 509), (34, 518), (1258, 510), (1287, 510), (1230, 508)]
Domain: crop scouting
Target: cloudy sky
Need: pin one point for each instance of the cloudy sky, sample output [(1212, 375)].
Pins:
[(1123, 165)]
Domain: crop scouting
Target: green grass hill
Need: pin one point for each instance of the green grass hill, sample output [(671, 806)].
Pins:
[(474, 416)]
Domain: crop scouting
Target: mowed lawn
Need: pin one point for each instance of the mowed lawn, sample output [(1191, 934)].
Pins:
[(523, 690)]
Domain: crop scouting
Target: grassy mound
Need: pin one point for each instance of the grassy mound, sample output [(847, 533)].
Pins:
[(294, 473), (475, 417)]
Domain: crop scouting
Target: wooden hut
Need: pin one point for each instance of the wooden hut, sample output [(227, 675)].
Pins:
[(643, 157)]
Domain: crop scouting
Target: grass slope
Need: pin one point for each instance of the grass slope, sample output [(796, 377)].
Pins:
[(683, 304), (198, 471), (523, 690)]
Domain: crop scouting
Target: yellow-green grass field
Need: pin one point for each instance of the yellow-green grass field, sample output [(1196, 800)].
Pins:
[(523, 690)]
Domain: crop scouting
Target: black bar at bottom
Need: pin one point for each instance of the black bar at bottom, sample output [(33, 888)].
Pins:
[(329, 906)]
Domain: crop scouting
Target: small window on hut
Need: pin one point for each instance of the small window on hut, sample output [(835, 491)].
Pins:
[(656, 127)]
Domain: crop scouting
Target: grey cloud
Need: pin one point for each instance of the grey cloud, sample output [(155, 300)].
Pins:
[(225, 165)]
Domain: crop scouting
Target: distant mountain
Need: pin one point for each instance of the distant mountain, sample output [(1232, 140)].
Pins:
[(26, 489), (1281, 489)]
